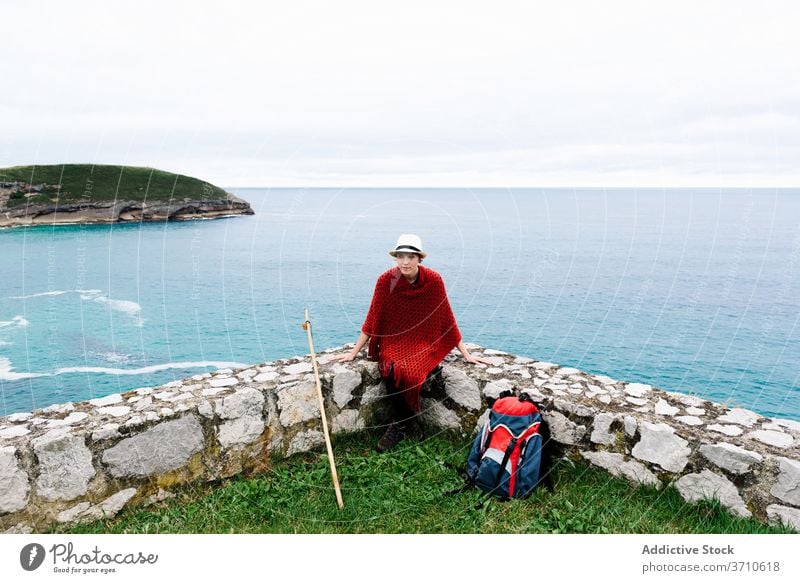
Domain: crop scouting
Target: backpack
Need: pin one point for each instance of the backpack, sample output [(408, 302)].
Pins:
[(511, 454)]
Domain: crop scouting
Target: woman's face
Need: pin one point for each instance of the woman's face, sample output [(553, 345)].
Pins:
[(407, 262)]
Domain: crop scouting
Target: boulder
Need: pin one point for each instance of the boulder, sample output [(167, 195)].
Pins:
[(461, 389), (660, 445), (708, 485), (65, 465), (161, 449), (14, 483), (736, 460)]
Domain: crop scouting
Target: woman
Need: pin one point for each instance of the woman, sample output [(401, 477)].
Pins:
[(410, 328)]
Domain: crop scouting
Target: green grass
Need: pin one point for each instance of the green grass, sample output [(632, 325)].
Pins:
[(86, 182), (401, 492)]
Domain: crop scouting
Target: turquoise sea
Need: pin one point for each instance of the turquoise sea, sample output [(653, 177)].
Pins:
[(691, 290)]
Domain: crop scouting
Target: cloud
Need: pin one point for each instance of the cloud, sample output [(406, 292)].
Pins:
[(300, 92)]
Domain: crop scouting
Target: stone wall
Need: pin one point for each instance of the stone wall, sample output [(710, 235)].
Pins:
[(83, 461)]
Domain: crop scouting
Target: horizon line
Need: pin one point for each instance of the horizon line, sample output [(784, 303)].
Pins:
[(361, 187)]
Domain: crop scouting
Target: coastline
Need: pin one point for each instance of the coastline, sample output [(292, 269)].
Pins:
[(122, 212)]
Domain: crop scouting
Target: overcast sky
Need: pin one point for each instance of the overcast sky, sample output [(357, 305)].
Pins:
[(407, 93)]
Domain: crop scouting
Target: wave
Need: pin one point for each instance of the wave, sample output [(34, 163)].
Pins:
[(127, 307), (57, 292), (50, 293), (124, 306), (7, 375), (149, 369), (112, 356), (17, 321)]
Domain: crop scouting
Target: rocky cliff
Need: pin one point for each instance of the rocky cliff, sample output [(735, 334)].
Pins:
[(92, 193), (123, 211)]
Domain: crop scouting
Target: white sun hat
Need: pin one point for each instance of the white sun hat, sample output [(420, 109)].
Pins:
[(408, 244)]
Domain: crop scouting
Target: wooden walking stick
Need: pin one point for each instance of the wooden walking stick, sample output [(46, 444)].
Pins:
[(307, 328)]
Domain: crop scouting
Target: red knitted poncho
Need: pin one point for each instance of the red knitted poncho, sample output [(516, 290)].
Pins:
[(411, 325)]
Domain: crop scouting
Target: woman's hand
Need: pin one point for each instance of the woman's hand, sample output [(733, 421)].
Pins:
[(353, 354), (476, 359), (462, 348)]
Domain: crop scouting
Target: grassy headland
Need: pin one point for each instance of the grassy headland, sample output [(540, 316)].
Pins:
[(86, 193), (75, 183)]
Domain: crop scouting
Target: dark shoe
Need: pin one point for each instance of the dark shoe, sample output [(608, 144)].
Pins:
[(393, 435), (414, 430)]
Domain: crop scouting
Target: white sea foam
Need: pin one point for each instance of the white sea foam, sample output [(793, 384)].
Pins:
[(96, 295), (90, 294), (7, 375), (50, 293), (57, 292), (16, 321), (149, 369), (124, 306), (127, 307), (111, 356)]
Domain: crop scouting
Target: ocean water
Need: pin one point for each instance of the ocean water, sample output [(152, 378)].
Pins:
[(690, 290)]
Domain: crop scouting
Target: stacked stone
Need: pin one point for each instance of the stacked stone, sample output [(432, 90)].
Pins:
[(654, 437), (84, 461)]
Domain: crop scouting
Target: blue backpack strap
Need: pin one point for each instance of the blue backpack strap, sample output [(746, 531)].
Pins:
[(511, 445)]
